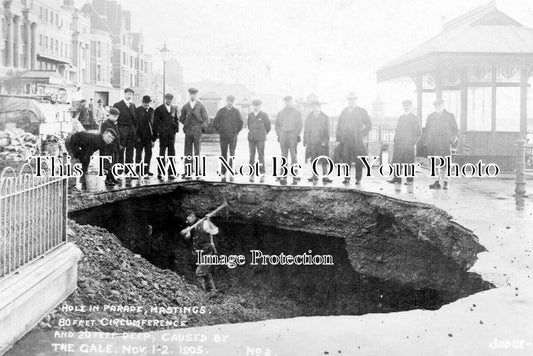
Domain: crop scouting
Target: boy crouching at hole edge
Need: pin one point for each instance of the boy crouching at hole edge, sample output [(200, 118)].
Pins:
[(202, 240)]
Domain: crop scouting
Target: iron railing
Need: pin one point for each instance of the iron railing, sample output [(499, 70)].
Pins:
[(33, 217)]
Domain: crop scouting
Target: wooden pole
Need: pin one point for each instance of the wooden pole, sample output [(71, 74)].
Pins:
[(520, 184), (214, 212), (419, 102), (493, 100), (464, 101)]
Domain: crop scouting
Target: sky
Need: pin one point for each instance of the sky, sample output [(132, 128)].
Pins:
[(298, 47)]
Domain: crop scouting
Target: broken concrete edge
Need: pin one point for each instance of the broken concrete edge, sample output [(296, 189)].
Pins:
[(86, 200), (35, 290)]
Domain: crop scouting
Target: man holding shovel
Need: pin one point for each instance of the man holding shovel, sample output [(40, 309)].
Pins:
[(201, 232)]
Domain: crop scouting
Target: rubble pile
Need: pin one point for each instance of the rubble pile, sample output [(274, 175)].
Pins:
[(17, 145), (111, 275)]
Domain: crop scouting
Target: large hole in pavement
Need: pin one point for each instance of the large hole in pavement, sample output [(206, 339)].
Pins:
[(388, 255)]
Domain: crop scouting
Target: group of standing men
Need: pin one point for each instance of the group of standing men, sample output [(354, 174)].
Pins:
[(353, 127), (354, 124), (137, 128)]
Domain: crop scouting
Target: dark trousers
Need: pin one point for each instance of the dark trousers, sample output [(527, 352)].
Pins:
[(358, 168), (258, 146), (127, 142), (144, 145), (289, 142), (192, 146), (109, 151), (225, 143), (166, 149)]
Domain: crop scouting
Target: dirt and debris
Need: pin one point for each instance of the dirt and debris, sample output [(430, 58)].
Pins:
[(110, 274)]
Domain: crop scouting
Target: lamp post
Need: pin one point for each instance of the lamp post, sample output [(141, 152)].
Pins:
[(165, 54)]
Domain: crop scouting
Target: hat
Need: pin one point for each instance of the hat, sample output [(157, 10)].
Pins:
[(256, 102), (114, 111), (438, 102), (169, 96), (112, 132), (407, 102), (99, 100), (287, 98), (230, 98), (189, 212), (351, 95), (193, 90), (146, 99), (129, 90)]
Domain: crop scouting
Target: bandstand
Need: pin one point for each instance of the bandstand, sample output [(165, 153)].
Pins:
[(481, 65)]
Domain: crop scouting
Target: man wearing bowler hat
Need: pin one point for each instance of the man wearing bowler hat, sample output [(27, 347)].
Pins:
[(195, 120), (441, 131), (258, 129), (289, 127), (127, 122), (405, 138), (228, 122), (166, 125), (352, 128), (316, 137), (145, 134)]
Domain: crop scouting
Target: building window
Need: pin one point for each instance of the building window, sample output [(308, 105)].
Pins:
[(98, 50), (98, 73)]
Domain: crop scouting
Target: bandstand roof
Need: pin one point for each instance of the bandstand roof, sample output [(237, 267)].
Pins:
[(483, 34)]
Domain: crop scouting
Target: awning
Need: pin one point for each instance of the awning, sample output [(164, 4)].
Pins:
[(53, 58), (45, 77), (14, 104)]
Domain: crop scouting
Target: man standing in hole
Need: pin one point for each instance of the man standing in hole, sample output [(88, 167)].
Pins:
[(202, 241)]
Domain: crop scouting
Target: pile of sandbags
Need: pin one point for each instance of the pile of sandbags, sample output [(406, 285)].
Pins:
[(17, 145)]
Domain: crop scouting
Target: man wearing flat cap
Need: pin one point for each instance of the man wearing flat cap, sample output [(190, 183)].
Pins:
[(440, 132), (258, 129), (352, 128), (82, 145), (407, 134), (316, 137), (127, 122), (195, 120), (289, 126), (166, 125), (228, 123), (145, 134)]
